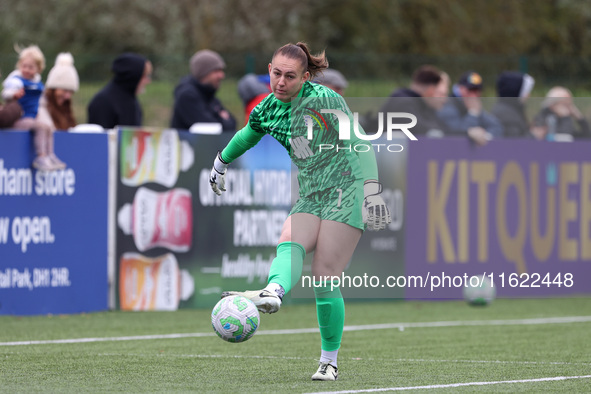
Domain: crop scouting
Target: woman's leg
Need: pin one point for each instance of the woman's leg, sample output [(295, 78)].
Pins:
[(298, 236), (334, 248)]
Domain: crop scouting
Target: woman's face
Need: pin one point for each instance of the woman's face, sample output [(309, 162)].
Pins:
[(287, 77), (62, 95)]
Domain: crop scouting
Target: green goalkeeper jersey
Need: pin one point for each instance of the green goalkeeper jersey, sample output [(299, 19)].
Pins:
[(311, 137)]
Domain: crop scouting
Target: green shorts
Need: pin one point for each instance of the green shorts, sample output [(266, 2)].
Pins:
[(342, 204)]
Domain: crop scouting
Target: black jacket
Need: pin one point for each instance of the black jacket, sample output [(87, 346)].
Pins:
[(509, 108), (195, 102), (117, 104), (578, 128), (510, 111), (407, 100)]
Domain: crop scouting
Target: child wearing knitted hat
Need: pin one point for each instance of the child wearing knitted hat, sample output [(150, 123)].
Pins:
[(25, 86)]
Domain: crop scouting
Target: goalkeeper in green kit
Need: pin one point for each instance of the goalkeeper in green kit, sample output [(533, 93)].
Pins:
[(339, 192)]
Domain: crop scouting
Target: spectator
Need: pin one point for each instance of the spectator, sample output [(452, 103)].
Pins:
[(9, 114), (194, 96), (439, 98), (252, 89), (117, 104), (464, 114), (55, 108), (24, 84), (513, 90), (418, 99), (332, 79), (559, 115)]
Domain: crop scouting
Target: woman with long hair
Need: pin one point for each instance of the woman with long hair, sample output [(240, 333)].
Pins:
[(339, 192)]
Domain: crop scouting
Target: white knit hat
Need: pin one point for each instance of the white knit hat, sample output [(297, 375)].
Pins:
[(63, 75)]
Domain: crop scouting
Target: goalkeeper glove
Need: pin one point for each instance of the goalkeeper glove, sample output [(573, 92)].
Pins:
[(375, 212), (217, 178)]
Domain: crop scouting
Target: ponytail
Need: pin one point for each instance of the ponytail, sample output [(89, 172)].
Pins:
[(300, 51)]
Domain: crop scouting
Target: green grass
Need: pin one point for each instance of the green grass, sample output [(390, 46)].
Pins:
[(377, 358)]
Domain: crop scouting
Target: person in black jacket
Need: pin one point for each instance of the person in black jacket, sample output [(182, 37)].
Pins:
[(117, 104), (513, 89), (425, 96), (194, 96)]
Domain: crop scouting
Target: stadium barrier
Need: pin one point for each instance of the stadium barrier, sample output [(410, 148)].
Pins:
[(132, 222), (54, 245)]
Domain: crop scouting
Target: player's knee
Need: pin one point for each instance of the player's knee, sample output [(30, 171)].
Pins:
[(285, 236), (325, 269)]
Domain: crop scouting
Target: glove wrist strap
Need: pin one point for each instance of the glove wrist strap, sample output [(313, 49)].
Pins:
[(219, 164), (372, 188)]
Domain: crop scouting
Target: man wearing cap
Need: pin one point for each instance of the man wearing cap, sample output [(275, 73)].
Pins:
[(463, 112), (194, 96)]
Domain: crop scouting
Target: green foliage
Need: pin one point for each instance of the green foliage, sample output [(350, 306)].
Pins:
[(428, 27), (374, 39)]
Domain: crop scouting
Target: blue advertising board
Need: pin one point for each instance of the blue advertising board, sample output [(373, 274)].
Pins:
[(53, 226)]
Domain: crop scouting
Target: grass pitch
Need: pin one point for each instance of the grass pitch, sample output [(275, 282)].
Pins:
[(522, 345)]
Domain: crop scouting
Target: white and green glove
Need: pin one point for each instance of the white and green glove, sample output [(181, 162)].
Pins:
[(375, 211), (217, 178)]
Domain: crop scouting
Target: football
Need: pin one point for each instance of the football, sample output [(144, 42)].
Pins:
[(235, 319), (479, 291)]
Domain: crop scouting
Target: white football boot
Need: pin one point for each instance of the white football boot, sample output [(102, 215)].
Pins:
[(265, 300), (326, 372)]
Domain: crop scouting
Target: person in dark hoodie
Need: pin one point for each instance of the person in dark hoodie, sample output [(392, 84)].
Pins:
[(117, 104), (194, 96), (422, 98), (513, 90)]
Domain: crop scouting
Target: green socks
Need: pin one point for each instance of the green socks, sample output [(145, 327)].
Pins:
[(286, 268), (330, 309)]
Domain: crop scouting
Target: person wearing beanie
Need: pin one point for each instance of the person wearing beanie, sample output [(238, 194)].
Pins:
[(55, 107), (195, 98), (513, 90), (332, 79), (252, 89), (117, 104)]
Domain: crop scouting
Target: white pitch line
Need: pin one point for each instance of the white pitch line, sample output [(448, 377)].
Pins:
[(410, 360), (226, 356), (550, 320), (443, 386)]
